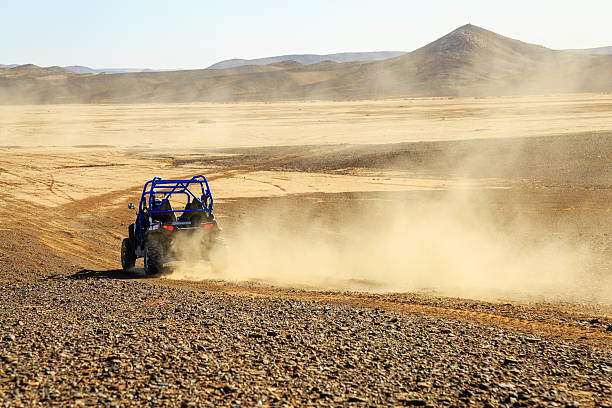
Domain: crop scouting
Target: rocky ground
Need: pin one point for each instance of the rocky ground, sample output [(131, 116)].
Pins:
[(89, 340)]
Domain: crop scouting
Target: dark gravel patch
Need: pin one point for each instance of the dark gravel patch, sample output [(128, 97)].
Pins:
[(129, 343)]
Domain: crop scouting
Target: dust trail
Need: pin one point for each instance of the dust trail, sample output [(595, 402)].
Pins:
[(450, 247)]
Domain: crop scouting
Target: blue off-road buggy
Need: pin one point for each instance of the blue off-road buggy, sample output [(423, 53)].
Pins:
[(160, 236)]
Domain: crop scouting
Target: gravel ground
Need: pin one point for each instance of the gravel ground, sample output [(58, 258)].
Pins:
[(113, 342)]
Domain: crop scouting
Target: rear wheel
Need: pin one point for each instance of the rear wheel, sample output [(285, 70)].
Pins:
[(153, 257), (128, 257)]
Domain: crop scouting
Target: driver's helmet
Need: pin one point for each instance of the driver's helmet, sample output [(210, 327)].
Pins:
[(156, 202)]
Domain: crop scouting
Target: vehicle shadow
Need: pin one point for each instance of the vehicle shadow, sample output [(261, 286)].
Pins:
[(136, 273)]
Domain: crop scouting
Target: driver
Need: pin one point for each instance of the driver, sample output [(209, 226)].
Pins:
[(165, 217), (156, 202)]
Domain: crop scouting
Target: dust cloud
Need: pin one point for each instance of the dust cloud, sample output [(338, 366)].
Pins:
[(449, 247)]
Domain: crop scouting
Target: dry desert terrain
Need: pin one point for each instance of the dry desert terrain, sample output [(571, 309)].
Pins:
[(413, 252)]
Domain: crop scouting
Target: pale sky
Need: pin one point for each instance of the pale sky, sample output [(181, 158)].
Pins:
[(195, 34)]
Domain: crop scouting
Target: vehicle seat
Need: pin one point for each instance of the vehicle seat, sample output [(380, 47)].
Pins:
[(164, 218), (194, 217)]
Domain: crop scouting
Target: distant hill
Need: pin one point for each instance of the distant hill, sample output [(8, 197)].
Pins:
[(469, 61), (307, 59), (472, 61), (593, 51), (29, 71), (79, 69)]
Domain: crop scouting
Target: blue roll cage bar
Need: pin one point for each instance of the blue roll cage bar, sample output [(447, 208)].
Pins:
[(168, 188)]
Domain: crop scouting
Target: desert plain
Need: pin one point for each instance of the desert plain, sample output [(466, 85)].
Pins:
[(409, 252)]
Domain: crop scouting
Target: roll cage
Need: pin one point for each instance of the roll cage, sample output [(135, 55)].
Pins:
[(167, 188)]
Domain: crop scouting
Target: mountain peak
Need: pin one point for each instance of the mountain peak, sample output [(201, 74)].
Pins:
[(471, 29), (467, 27), (469, 37), (468, 40)]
